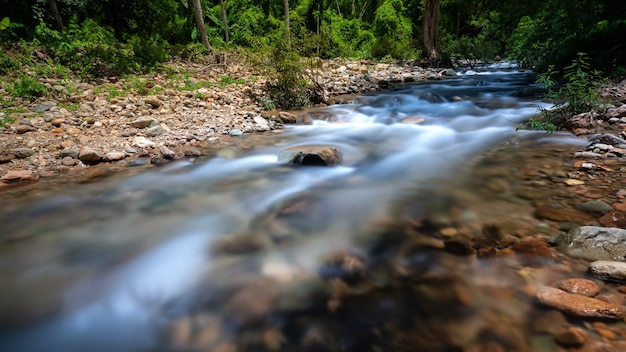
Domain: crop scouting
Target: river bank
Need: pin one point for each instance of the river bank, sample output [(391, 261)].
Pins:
[(153, 118)]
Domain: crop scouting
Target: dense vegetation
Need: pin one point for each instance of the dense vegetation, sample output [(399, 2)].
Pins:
[(111, 37)]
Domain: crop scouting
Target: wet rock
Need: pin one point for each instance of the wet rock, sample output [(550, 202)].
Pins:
[(239, 244), (587, 155), (578, 305), (432, 97), (613, 219), (16, 176), (578, 286), (572, 336), (607, 139), (563, 215), (345, 266), (311, 155), (608, 270), (286, 117), (23, 153), (597, 243), (89, 156), (138, 162), (142, 142), (114, 156), (597, 207), (459, 245), (166, 152), (192, 152), (253, 303)]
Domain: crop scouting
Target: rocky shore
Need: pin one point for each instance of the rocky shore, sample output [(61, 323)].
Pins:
[(158, 117)]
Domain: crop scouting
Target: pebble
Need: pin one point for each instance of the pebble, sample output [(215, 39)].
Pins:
[(114, 156), (143, 142), (23, 153), (236, 132), (572, 336), (615, 219), (595, 207), (582, 287), (155, 131), (578, 305), (608, 270), (15, 176), (68, 161), (89, 156)]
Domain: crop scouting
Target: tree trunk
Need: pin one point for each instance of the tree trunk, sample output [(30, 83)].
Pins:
[(287, 30), (432, 52), (225, 22), (56, 14), (116, 11), (197, 10)]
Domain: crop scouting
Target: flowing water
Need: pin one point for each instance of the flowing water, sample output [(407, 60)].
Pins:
[(238, 252)]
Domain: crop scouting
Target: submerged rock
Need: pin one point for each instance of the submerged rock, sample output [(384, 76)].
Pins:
[(597, 243), (578, 305), (606, 269), (311, 155)]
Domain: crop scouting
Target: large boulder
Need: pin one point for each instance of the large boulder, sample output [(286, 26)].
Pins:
[(311, 155), (597, 243)]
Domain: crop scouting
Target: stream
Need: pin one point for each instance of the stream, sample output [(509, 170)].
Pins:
[(236, 251)]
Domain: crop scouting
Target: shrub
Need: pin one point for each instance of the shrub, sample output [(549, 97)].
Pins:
[(27, 87), (290, 89)]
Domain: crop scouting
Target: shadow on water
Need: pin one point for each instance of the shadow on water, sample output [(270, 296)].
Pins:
[(397, 249)]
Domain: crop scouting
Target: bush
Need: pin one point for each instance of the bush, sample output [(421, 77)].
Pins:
[(27, 88), (290, 89), (580, 93)]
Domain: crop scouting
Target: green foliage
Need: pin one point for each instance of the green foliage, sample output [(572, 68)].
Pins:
[(580, 93), (228, 80), (290, 89), (7, 64), (27, 87)]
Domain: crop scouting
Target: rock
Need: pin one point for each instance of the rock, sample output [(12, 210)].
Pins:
[(597, 243), (192, 152), (595, 207), (587, 155), (6, 156), (166, 152), (572, 336), (253, 303), (607, 139), (16, 176), (311, 155), (153, 101), (262, 123), (432, 97), (89, 156), (58, 122), (448, 72), (345, 266), (143, 123), (23, 153), (236, 132), (143, 142), (42, 107), (608, 270), (155, 131), (286, 117), (74, 131), (138, 162), (72, 153), (616, 112), (582, 287), (114, 156), (21, 129), (68, 161), (563, 215), (583, 120), (573, 182), (578, 305), (613, 219)]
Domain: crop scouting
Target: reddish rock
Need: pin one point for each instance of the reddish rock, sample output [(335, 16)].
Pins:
[(613, 219), (578, 305), (619, 206), (582, 287), (21, 129), (564, 215), (15, 176), (572, 337)]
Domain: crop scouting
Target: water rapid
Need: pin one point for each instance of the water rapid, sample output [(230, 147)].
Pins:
[(253, 254)]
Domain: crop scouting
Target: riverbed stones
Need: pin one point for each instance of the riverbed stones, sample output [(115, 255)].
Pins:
[(89, 156), (597, 207), (615, 219), (572, 336), (608, 270), (311, 156), (584, 287), (23, 153), (143, 142), (143, 123), (114, 156), (597, 243), (17, 176), (577, 305), (564, 215)]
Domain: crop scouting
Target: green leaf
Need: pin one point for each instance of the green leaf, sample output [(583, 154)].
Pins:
[(4, 23)]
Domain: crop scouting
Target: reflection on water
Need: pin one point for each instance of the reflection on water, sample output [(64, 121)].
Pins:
[(249, 254)]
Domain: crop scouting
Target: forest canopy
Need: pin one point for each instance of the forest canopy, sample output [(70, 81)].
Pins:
[(129, 35)]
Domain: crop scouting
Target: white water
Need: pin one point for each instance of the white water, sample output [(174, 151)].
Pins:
[(161, 224)]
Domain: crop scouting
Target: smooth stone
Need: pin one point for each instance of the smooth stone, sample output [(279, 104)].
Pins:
[(167, 152), (6, 156), (42, 107), (138, 162), (608, 270), (72, 152), (311, 155), (235, 132), (15, 176), (68, 161), (584, 287), (597, 207), (114, 156), (572, 336), (597, 243), (21, 129), (153, 101), (286, 117), (89, 155), (143, 142), (23, 153), (578, 305)]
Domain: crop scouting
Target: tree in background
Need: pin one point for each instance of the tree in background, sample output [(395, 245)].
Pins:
[(287, 25), (197, 10), (432, 50)]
